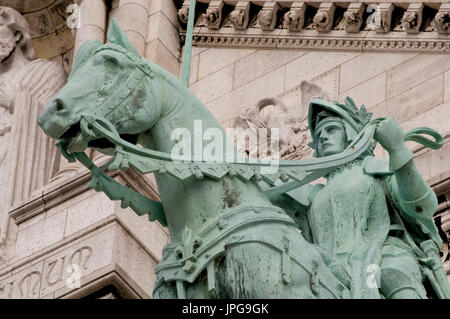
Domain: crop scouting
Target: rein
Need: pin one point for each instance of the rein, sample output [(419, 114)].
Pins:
[(293, 173)]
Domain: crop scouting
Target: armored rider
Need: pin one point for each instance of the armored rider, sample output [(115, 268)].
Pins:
[(373, 219)]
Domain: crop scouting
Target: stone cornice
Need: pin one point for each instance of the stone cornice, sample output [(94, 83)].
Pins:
[(409, 26), (63, 190)]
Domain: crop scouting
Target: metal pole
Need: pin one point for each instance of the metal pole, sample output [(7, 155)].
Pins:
[(187, 52)]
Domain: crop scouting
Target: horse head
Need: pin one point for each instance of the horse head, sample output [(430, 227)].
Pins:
[(110, 81)]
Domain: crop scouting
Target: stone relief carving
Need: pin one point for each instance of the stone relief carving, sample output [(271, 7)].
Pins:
[(28, 159), (412, 19), (240, 16), (353, 17), (324, 18), (183, 13), (267, 17), (390, 20), (294, 19), (383, 17), (272, 112), (442, 19), (36, 282), (213, 16)]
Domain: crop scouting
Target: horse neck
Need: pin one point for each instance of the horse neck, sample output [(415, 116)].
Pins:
[(193, 203)]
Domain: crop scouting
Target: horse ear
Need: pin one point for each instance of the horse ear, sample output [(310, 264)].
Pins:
[(117, 36)]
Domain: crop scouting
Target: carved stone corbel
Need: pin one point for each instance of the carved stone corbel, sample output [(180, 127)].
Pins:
[(323, 20), (213, 16), (183, 13), (412, 19), (353, 17), (240, 16), (442, 19), (383, 17), (267, 17), (294, 19)]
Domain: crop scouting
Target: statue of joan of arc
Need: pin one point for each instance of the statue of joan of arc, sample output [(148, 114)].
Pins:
[(373, 219)]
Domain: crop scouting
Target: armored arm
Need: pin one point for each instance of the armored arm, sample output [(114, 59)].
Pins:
[(415, 196)]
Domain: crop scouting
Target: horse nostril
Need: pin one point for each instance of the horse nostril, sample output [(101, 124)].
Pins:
[(59, 106)]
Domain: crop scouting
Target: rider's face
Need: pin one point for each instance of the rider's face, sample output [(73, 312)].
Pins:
[(331, 139)]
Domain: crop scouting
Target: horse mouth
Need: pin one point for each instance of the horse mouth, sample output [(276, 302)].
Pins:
[(71, 132), (77, 141)]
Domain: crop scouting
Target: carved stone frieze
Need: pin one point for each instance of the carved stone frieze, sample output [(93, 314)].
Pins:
[(240, 16), (294, 19), (267, 17), (442, 19), (213, 16), (412, 19), (356, 26), (324, 18), (353, 17), (383, 17), (309, 41), (257, 123), (183, 12)]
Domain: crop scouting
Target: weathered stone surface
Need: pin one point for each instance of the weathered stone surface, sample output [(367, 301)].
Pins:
[(40, 235), (215, 85), (368, 65), (313, 64), (158, 53), (430, 164), (23, 285), (193, 77), (77, 263), (230, 105), (88, 212), (159, 27), (47, 47), (151, 235), (261, 62), (412, 102), (91, 254), (435, 118), (40, 23), (447, 86), (134, 20), (329, 81), (415, 71), (213, 60), (168, 8), (369, 93)]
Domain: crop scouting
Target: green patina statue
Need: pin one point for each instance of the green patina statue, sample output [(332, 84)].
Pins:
[(234, 222)]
